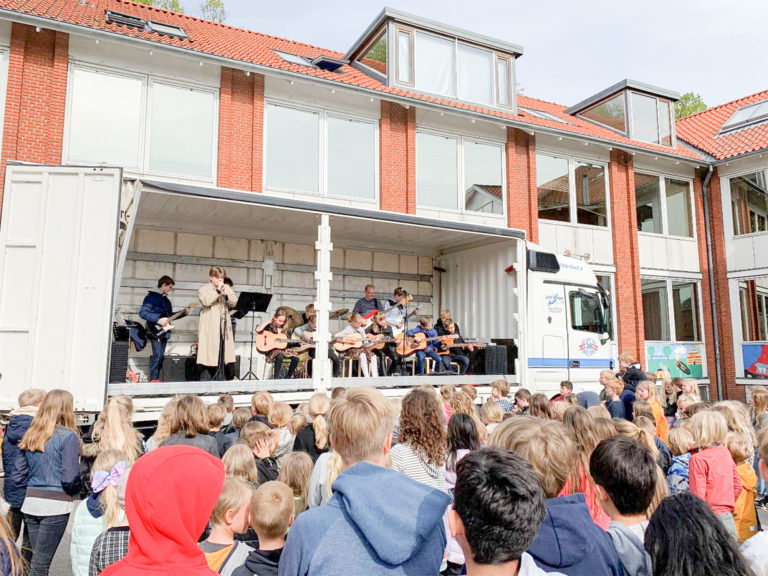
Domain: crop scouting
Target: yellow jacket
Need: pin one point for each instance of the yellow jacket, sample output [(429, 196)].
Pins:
[(744, 513)]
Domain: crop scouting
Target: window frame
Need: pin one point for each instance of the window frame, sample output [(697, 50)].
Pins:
[(663, 205), (495, 56), (669, 282), (732, 230), (5, 54), (626, 98), (572, 207), (411, 64), (631, 116), (323, 114), (147, 81), (460, 172), (383, 31)]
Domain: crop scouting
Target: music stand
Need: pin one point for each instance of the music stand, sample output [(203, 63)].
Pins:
[(251, 302)]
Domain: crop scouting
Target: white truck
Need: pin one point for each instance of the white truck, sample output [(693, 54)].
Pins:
[(64, 238)]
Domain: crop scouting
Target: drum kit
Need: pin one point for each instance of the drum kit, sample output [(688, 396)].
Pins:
[(340, 314)]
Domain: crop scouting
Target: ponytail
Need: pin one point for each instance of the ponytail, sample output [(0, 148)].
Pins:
[(320, 426)]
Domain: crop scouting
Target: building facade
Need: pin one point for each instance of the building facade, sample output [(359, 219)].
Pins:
[(415, 118)]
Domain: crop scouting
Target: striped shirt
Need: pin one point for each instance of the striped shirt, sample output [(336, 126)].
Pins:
[(405, 460)]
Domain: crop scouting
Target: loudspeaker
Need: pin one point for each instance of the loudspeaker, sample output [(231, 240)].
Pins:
[(511, 352), (184, 369), (118, 361), (496, 360)]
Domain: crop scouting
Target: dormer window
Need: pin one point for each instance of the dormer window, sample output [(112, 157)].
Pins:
[(638, 111), (412, 53)]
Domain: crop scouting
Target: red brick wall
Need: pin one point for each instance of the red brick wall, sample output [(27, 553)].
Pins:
[(723, 308), (241, 130), (522, 197), (397, 165), (627, 290), (37, 87)]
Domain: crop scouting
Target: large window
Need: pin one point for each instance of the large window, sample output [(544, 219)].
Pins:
[(671, 310), (749, 203), (664, 205), (610, 113), (753, 297), (442, 162), (297, 139), (141, 124), (586, 312), (651, 119), (441, 65), (564, 184)]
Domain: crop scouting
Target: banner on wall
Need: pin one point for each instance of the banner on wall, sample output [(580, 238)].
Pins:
[(675, 360), (755, 358)]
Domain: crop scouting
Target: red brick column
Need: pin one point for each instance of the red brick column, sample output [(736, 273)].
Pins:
[(628, 289), (522, 195), (722, 300), (397, 165), (241, 130), (36, 96)]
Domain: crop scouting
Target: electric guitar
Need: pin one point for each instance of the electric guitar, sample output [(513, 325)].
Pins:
[(155, 331), (448, 342)]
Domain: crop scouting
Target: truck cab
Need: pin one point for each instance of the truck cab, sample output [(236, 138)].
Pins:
[(570, 323)]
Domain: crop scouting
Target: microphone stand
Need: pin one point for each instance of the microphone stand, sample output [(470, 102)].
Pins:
[(405, 338), (222, 333)]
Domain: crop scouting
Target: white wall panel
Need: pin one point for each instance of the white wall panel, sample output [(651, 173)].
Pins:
[(668, 253), (580, 240)]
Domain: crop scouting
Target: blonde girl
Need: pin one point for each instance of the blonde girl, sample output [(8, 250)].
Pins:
[(279, 418), (313, 438), (9, 553), (689, 387), (101, 511), (668, 400), (737, 419), (239, 462), (296, 473), (758, 410), (51, 448), (114, 429), (191, 426), (492, 415), (369, 362), (165, 424), (646, 391)]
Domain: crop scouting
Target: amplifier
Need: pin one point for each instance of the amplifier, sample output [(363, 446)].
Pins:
[(184, 369), (489, 360)]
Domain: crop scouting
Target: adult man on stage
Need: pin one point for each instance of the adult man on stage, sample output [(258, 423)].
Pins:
[(368, 303), (215, 327), (155, 310)]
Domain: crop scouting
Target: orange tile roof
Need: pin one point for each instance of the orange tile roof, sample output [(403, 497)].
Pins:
[(701, 130), (224, 41)]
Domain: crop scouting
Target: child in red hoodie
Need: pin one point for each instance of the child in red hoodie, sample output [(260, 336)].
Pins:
[(170, 496), (712, 473)]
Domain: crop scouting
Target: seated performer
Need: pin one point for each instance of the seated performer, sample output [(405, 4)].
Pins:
[(445, 316), (367, 358), (455, 354), (368, 303), (395, 309), (309, 313), (276, 325), (156, 309), (442, 364), (216, 298), (381, 328), (305, 330)]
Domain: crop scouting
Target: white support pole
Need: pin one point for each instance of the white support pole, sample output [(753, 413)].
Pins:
[(321, 368)]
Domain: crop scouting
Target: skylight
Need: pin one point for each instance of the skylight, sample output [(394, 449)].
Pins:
[(166, 29), (124, 19), (294, 59), (543, 115), (746, 116)]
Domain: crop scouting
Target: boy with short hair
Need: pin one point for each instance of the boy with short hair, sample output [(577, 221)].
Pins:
[(744, 512), (498, 509), (681, 443), (263, 442), (216, 414), (499, 393), (522, 401), (228, 401), (566, 389), (442, 363), (231, 516), (15, 463), (568, 540), (378, 521), (261, 403), (624, 472), (271, 516)]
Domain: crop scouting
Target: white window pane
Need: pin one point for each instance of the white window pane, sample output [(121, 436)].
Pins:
[(475, 74), (437, 182), (648, 194), (679, 213), (351, 158), (403, 57), (552, 182), (105, 119), (655, 309), (181, 130), (292, 149), (645, 121), (483, 189), (665, 124), (435, 64), (502, 73)]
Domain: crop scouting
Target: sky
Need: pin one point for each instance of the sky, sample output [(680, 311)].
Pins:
[(573, 49)]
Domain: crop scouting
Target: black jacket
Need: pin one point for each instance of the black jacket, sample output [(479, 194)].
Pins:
[(14, 462), (260, 563)]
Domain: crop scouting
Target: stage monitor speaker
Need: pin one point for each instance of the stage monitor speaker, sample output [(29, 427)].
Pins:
[(118, 361), (496, 360), (184, 369)]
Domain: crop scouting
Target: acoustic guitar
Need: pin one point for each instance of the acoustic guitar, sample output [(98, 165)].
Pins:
[(155, 331), (267, 341), (448, 341), (409, 345)]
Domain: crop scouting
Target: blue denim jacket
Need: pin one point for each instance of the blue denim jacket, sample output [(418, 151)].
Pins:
[(57, 468)]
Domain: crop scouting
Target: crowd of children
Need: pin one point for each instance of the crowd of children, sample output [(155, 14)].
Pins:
[(640, 480)]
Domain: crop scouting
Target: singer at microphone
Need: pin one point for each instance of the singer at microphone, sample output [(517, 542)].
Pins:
[(216, 298)]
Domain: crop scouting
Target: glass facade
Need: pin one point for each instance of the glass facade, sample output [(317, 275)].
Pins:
[(437, 181), (611, 113), (749, 203)]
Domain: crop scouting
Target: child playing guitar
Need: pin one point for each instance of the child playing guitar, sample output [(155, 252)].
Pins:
[(276, 325), (380, 328), (363, 353)]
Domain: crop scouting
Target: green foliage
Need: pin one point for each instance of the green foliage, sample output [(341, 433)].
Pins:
[(173, 5), (688, 104), (213, 10)]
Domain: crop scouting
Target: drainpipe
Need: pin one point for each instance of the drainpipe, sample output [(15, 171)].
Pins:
[(713, 306)]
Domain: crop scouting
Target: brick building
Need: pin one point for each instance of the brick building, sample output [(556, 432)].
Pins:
[(415, 118)]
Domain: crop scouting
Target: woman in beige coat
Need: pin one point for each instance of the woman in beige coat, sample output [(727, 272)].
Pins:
[(216, 298)]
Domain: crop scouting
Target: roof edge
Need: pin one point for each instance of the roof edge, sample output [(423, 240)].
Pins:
[(618, 87)]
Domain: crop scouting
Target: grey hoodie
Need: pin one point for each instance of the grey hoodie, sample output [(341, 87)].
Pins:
[(628, 541)]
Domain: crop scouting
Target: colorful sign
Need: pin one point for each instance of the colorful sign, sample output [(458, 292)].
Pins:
[(675, 360), (588, 347), (755, 360)]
